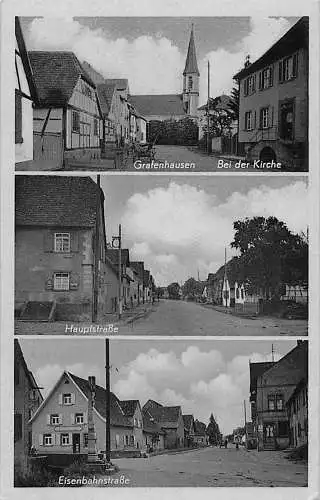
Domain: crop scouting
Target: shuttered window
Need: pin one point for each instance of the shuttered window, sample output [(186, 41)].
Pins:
[(18, 118), (17, 426)]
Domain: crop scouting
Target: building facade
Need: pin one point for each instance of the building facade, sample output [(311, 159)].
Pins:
[(273, 108), (60, 425), (170, 420), (60, 248), (297, 407), (27, 399)]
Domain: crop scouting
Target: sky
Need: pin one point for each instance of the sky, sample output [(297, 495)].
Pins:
[(151, 51), (181, 225), (203, 376)]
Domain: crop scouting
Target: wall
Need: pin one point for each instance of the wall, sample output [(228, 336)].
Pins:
[(35, 263), (150, 443), (299, 418), (297, 88)]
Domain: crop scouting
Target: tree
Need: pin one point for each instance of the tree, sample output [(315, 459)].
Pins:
[(174, 291), (213, 431), (220, 117), (271, 254), (192, 288), (234, 102)]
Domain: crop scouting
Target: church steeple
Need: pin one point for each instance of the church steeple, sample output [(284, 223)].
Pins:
[(191, 60), (191, 79)]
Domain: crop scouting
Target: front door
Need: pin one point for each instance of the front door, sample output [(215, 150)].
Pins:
[(76, 443)]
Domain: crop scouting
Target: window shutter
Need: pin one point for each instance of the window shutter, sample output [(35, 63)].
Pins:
[(70, 438), (271, 116), (74, 281), (60, 418), (18, 118), (48, 241), (254, 83), (85, 418), (41, 439), (48, 419), (56, 439), (271, 76), (295, 65), (73, 398), (280, 70), (74, 241), (60, 399), (260, 80), (72, 418)]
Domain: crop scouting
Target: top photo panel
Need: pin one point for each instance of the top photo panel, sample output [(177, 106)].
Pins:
[(162, 95)]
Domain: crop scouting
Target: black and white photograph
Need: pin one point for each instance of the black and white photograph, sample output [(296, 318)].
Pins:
[(161, 256), (162, 413), (162, 94)]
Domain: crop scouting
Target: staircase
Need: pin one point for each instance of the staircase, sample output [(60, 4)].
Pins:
[(38, 311)]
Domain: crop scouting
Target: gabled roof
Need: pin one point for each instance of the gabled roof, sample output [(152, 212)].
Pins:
[(168, 105), (256, 370), (95, 76), (56, 201), (223, 103), (25, 60), (113, 255), (56, 75), (138, 266), (232, 272), (150, 425), (119, 83), (295, 38), (191, 60), (105, 94), (199, 428), (188, 421), (166, 416)]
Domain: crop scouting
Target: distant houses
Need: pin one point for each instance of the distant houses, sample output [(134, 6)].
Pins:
[(279, 400), (64, 269), (273, 108)]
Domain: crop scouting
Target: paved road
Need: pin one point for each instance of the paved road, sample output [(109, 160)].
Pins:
[(214, 467), (170, 317)]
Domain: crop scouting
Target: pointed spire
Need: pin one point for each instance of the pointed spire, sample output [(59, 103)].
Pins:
[(191, 61)]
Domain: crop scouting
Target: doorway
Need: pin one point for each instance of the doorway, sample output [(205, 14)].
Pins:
[(76, 443)]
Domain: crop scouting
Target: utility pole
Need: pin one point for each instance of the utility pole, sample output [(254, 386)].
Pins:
[(92, 437), (208, 114), (96, 256), (245, 422), (272, 353), (107, 403), (117, 239)]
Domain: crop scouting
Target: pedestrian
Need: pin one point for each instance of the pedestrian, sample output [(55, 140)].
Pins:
[(226, 443)]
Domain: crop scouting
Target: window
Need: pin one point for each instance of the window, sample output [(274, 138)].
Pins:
[(279, 403), (47, 439), (18, 118), (79, 418), (248, 120), (264, 117), (75, 124), (237, 293), (271, 405), (131, 440), (64, 439), (288, 68), (95, 127), (62, 242), (17, 426), (190, 84), (85, 440), (66, 399), (117, 440), (54, 419), (126, 440), (299, 429), (61, 281), (250, 85), (266, 78), (242, 293)]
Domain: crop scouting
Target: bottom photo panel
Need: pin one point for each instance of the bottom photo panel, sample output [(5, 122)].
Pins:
[(160, 413)]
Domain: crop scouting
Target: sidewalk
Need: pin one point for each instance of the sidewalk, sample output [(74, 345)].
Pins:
[(130, 315)]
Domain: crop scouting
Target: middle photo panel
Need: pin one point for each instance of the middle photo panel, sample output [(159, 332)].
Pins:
[(161, 255)]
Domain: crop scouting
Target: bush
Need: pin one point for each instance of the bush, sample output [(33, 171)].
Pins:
[(36, 478)]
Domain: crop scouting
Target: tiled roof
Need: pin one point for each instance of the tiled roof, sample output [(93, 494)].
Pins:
[(224, 103), (113, 255), (138, 267), (119, 83), (56, 75), (129, 406), (105, 94), (169, 105), (118, 409), (166, 416), (187, 421), (295, 38), (55, 201), (150, 425), (146, 277), (95, 76), (199, 428), (256, 370), (191, 61)]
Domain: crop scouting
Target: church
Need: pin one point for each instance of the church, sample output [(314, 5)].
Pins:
[(173, 106)]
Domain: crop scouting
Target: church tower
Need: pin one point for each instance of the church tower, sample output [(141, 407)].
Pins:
[(191, 79)]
